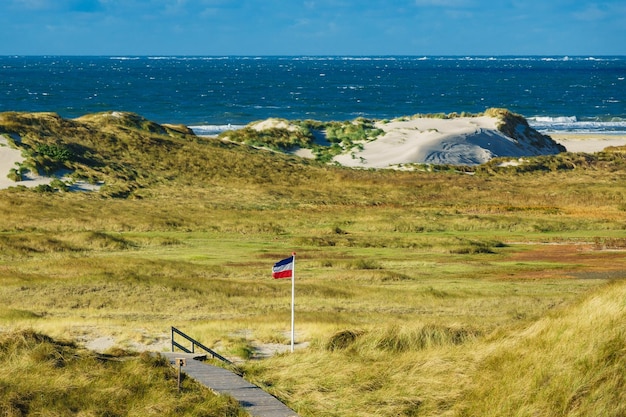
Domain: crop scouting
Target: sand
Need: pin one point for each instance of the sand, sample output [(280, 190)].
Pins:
[(10, 158), (471, 141), (588, 142), (101, 340), (457, 141)]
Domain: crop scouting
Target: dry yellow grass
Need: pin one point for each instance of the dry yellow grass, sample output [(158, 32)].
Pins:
[(570, 364), (437, 282)]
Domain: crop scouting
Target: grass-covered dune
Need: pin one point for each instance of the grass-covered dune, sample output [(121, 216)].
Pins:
[(421, 293), (452, 139), (43, 376)]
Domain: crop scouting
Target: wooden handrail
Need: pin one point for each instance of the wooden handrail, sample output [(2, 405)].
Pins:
[(194, 343)]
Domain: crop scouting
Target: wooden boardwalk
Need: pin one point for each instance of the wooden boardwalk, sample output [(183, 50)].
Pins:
[(222, 381)]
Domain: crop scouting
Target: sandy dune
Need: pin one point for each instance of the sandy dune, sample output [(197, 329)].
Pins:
[(456, 141), (11, 158)]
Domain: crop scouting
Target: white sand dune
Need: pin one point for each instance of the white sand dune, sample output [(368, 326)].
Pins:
[(11, 158), (451, 141), (456, 141)]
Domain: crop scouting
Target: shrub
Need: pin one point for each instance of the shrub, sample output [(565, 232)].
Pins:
[(396, 339), (274, 138), (56, 153), (342, 339), (57, 184), (44, 188), (14, 175)]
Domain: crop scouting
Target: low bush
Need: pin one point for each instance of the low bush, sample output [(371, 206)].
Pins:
[(342, 339)]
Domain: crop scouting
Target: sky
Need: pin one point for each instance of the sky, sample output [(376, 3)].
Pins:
[(313, 27)]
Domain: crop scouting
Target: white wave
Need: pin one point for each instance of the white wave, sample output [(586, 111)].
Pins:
[(548, 119), (213, 130), (572, 124)]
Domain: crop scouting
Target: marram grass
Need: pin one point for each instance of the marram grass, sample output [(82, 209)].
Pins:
[(418, 294), (570, 363), (566, 364), (43, 376)]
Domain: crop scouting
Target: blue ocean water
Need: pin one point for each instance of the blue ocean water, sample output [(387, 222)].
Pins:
[(556, 94)]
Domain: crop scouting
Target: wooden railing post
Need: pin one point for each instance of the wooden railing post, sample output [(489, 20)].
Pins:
[(194, 343)]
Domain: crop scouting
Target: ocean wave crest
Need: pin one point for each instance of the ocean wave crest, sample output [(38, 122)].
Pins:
[(562, 124), (213, 130)]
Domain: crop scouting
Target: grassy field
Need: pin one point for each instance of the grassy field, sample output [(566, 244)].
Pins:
[(418, 293)]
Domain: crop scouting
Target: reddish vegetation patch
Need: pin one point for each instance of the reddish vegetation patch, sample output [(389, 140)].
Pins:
[(578, 260)]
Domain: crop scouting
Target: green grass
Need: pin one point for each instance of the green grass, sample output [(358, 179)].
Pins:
[(341, 136), (417, 293)]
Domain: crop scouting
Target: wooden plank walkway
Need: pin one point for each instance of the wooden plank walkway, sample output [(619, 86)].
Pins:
[(222, 381)]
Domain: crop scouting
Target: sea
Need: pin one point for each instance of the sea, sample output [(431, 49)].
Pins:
[(557, 94)]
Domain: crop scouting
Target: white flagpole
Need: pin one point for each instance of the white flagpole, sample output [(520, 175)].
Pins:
[(293, 300)]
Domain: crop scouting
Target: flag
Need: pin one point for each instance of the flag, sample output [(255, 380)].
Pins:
[(287, 269), (283, 269)]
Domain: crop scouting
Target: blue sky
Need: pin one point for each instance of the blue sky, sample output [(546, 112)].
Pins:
[(312, 27)]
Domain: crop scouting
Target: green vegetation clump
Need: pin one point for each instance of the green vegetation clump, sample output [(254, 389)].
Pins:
[(340, 136), (273, 138), (346, 136), (350, 133), (16, 174), (51, 157), (56, 153), (452, 115)]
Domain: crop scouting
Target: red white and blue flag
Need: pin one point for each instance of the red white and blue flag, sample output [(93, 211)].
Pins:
[(287, 269), (283, 269)]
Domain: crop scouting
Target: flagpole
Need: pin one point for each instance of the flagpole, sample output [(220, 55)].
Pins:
[(293, 300)]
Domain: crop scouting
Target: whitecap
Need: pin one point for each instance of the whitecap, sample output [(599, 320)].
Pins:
[(213, 130)]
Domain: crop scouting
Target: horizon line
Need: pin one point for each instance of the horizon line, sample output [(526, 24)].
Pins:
[(317, 55)]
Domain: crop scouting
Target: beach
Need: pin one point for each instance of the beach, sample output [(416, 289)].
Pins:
[(588, 142)]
